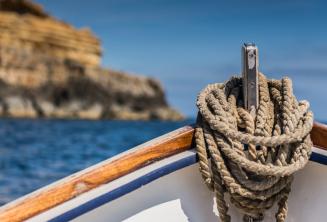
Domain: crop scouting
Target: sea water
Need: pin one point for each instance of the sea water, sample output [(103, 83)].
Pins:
[(34, 153)]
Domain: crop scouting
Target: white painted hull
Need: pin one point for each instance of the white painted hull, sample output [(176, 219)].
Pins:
[(172, 190)]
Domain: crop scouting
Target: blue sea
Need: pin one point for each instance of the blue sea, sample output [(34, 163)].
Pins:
[(34, 153)]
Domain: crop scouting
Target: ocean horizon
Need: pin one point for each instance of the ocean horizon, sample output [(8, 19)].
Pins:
[(144, 63)]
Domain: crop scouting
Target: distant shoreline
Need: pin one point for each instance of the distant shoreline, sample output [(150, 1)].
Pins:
[(51, 69)]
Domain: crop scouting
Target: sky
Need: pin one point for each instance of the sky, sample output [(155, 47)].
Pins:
[(187, 44)]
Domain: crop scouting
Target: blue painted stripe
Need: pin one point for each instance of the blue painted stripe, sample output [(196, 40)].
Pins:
[(126, 188), (143, 180), (319, 158)]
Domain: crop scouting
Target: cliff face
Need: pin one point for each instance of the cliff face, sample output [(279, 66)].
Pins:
[(50, 69)]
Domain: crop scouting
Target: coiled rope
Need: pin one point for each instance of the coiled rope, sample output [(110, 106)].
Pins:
[(252, 158)]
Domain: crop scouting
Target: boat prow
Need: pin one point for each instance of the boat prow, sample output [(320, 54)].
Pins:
[(160, 179)]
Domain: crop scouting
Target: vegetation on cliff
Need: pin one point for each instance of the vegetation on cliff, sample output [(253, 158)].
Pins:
[(50, 69)]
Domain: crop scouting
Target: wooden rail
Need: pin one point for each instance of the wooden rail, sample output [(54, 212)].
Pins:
[(109, 170), (319, 135)]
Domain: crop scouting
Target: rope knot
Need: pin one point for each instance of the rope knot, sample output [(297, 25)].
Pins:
[(252, 158)]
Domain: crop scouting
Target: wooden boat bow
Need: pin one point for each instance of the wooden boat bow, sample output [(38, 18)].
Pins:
[(169, 144)]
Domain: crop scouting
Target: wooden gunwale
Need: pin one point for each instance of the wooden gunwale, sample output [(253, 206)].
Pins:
[(111, 169), (319, 135)]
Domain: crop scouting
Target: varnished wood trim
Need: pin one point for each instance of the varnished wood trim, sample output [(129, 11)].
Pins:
[(319, 135), (72, 186)]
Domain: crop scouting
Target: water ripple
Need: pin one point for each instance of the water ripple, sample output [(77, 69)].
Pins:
[(34, 153)]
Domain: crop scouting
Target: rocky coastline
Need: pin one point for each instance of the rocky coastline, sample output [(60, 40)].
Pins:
[(49, 69)]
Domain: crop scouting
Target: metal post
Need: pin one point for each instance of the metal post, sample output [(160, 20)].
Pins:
[(250, 77)]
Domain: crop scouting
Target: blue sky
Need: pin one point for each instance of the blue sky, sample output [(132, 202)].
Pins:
[(187, 44)]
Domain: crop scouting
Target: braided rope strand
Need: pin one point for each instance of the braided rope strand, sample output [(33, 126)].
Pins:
[(277, 144)]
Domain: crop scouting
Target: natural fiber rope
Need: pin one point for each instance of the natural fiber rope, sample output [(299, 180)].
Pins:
[(252, 159)]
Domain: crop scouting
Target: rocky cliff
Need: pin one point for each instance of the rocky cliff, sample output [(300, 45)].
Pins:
[(50, 69)]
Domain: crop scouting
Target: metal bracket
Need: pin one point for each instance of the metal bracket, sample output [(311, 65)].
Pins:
[(250, 77)]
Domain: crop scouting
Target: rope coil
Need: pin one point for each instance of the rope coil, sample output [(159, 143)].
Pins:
[(252, 158)]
